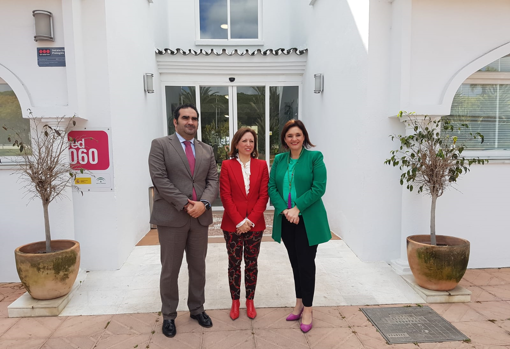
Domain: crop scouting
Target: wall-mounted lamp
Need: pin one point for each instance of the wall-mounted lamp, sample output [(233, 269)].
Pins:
[(43, 25), (319, 83), (148, 82)]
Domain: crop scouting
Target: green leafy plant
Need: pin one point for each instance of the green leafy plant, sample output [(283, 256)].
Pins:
[(43, 164), (431, 158)]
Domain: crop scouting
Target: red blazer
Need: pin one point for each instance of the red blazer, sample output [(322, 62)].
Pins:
[(236, 203)]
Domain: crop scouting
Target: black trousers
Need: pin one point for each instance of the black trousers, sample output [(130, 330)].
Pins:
[(302, 259)]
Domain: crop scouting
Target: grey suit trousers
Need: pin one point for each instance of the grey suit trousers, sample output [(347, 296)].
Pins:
[(192, 238)]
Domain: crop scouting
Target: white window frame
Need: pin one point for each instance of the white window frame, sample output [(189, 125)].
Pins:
[(13, 161), (488, 78), (228, 41)]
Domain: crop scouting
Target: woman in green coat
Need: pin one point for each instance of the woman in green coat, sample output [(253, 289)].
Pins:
[(296, 186)]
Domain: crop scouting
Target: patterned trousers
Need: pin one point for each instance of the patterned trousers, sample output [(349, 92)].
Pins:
[(250, 243)]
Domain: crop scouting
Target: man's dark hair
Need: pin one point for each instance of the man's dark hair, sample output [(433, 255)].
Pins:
[(183, 106)]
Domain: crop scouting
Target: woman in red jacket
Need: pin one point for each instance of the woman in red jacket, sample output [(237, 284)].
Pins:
[(243, 191)]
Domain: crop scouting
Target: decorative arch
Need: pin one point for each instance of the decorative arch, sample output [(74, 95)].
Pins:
[(17, 86), (469, 69)]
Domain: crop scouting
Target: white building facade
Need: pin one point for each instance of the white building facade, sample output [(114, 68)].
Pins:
[(253, 62)]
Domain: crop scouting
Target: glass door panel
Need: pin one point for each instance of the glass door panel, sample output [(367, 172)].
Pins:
[(251, 112), (224, 109), (176, 96), (214, 122), (283, 106)]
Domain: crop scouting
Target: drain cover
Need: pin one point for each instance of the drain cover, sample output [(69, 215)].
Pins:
[(400, 325)]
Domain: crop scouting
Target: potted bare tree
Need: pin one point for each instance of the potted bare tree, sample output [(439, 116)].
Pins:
[(431, 160), (47, 269)]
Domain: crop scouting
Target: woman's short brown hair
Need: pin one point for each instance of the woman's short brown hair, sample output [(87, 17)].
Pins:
[(237, 138), (295, 123)]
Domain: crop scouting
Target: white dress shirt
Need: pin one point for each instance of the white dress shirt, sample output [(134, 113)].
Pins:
[(246, 176)]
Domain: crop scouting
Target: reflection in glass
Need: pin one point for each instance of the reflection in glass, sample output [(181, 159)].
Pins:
[(176, 96), (283, 106), (11, 118), (499, 65), (213, 19), (214, 123), (486, 109), (244, 19), (251, 113)]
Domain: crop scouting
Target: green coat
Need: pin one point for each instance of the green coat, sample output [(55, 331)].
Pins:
[(310, 181)]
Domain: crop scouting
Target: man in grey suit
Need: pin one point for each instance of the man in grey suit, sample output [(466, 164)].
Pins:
[(183, 171)]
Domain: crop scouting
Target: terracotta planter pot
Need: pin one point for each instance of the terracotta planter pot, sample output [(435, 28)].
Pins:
[(48, 275), (441, 267)]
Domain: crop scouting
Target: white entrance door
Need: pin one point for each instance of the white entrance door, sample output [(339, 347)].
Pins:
[(225, 109)]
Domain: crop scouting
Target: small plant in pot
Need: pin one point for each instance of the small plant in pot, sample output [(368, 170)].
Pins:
[(431, 160), (47, 269)]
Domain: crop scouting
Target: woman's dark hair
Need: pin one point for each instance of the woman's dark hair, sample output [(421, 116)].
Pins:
[(237, 138), (183, 106), (295, 123)]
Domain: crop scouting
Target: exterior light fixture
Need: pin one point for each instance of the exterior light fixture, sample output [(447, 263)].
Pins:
[(319, 83), (148, 82), (226, 116), (224, 26), (43, 25)]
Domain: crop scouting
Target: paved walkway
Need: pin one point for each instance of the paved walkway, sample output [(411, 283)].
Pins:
[(342, 279), (486, 320)]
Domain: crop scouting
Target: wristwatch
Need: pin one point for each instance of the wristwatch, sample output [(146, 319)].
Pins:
[(206, 204)]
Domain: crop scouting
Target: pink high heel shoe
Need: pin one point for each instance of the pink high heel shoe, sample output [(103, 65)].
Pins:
[(293, 317), (306, 328)]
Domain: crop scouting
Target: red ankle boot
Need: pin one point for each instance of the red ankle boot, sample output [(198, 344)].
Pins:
[(250, 309), (234, 311)]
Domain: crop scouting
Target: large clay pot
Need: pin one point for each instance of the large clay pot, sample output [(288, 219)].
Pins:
[(48, 275), (441, 267)]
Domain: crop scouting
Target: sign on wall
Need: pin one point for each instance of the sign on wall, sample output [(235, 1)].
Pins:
[(51, 56), (90, 150)]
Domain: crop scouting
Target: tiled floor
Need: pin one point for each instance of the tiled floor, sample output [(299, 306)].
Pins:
[(119, 309), (486, 320)]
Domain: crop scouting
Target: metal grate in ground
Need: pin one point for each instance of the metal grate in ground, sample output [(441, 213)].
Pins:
[(399, 325)]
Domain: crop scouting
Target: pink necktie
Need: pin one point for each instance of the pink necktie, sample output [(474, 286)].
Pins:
[(191, 161)]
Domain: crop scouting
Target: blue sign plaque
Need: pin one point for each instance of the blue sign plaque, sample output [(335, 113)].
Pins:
[(51, 56)]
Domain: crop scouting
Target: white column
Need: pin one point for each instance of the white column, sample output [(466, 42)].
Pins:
[(75, 67)]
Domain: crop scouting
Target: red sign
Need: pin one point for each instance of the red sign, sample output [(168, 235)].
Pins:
[(89, 150)]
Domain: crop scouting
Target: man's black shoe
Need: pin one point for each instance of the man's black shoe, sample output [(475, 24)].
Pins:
[(169, 328), (203, 319)]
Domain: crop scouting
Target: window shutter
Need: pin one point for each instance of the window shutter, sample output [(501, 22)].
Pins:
[(485, 108)]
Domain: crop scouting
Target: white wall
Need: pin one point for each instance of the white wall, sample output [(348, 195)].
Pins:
[(279, 26), (378, 58), (446, 36), (349, 121), (20, 49), (119, 49), (109, 47), (22, 221), (136, 115), (478, 211), (44, 91), (443, 38)]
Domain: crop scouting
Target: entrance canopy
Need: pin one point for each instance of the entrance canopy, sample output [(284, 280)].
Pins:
[(258, 89)]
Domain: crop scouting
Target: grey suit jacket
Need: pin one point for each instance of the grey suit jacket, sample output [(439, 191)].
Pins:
[(173, 183)]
